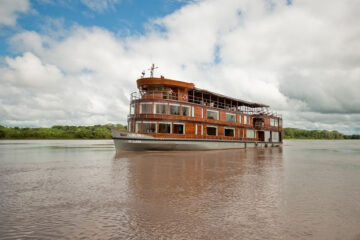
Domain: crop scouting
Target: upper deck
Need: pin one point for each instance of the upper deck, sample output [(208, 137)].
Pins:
[(179, 91)]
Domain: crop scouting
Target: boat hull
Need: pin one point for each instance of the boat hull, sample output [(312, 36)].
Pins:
[(140, 142)]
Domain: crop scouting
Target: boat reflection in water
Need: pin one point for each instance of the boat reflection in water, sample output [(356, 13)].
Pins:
[(219, 194)]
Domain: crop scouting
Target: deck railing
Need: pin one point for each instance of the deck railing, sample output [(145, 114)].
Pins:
[(168, 95)]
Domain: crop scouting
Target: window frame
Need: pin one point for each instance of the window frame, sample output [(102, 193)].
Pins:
[(178, 123), (189, 110), (230, 129), (214, 111), (231, 114), (146, 103), (176, 105), (149, 122), (160, 103), (211, 126), (165, 123)]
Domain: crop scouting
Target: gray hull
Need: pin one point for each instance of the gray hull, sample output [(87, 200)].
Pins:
[(140, 142)]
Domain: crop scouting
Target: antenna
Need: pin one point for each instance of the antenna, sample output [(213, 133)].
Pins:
[(152, 70)]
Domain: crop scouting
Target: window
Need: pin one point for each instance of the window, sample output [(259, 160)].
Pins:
[(275, 136), (280, 123), (230, 117), (192, 111), (179, 128), (164, 127), (137, 127), (196, 129), (185, 110), (272, 122), (250, 133), (146, 108), (174, 109), (148, 127), (202, 113), (275, 122), (161, 108), (245, 119), (211, 131), (210, 114), (239, 118), (129, 126), (132, 109), (229, 132)]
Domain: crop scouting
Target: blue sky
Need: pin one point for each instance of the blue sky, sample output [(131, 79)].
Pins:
[(76, 62), (125, 17)]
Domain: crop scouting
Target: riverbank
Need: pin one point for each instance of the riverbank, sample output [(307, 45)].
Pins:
[(104, 132)]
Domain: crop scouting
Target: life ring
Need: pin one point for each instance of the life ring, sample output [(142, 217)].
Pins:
[(184, 97)]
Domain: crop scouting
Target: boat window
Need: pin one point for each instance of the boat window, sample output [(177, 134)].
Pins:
[(272, 122), (229, 132), (230, 117), (250, 133), (280, 123), (164, 127), (149, 127), (137, 127), (132, 109), (146, 108), (161, 108), (129, 126), (174, 109), (192, 111), (210, 114), (245, 119), (179, 128), (211, 131), (275, 122), (185, 110), (275, 136), (239, 118)]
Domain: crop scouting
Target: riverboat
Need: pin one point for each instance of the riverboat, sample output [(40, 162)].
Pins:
[(167, 114)]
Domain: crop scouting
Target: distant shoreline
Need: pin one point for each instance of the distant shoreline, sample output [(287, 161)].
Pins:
[(102, 132)]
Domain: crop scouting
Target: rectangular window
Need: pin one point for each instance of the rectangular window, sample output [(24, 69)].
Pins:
[(211, 131), (230, 117), (280, 122), (229, 132), (275, 122), (132, 109), (179, 128), (192, 111), (146, 108), (250, 133), (174, 109), (196, 129), (271, 122), (137, 127), (164, 127), (239, 118), (149, 127), (245, 119), (210, 114), (185, 110), (129, 126), (161, 108)]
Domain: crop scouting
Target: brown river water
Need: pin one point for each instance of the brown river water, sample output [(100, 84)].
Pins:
[(65, 189)]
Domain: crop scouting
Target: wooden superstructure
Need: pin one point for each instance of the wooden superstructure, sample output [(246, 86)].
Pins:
[(165, 108)]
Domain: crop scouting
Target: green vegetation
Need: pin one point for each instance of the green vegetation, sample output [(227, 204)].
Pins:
[(59, 132), (295, 133), (104, 132)]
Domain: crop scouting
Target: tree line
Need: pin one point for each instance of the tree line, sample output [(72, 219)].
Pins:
[(104, 132), (296, 133), (59, 132)]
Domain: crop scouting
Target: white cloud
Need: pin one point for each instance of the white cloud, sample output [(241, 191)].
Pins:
[(10, 9), (302, 59), (99, 5)]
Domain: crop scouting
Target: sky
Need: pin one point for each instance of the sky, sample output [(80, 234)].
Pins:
[(66, 62)]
